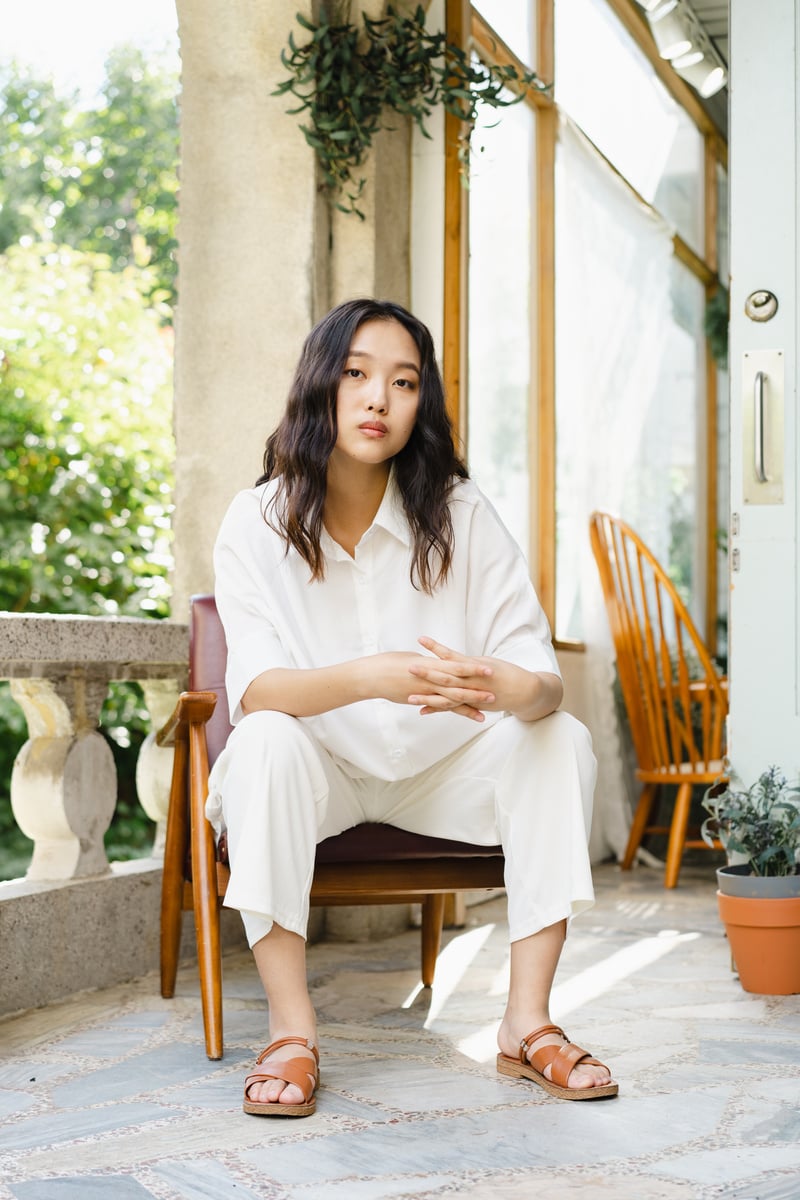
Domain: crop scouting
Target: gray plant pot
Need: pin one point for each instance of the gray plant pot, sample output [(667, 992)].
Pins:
[(737, 881)]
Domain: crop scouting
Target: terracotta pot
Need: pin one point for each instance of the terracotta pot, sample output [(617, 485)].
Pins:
[(765, 942)]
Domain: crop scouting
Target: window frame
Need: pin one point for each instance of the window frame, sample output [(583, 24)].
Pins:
[(468, 29)]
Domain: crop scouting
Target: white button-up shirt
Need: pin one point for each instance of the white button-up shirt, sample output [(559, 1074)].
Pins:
[(275, 616)]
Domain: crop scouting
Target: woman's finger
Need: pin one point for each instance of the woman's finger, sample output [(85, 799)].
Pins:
[(454, 676), (449, 698), (452, 657), (463, 710)]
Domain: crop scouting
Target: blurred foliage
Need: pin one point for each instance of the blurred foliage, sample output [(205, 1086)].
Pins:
[(715, 324), (125, 723), (86, 447), (87, 277), (101, 179), (15, 847)]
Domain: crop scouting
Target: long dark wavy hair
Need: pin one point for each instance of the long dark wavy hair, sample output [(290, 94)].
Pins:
[(297, 452)]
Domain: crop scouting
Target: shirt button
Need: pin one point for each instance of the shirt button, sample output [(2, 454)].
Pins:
[(396, 754)]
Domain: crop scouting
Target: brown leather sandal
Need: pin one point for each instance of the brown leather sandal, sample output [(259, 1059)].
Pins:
[(561, 1059), (292, 1070)]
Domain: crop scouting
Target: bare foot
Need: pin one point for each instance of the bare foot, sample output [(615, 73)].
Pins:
[(584, 1075), (279, 1091)]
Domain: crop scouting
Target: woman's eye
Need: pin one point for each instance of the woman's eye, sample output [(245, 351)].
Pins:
[(405, 383), (353, 372)]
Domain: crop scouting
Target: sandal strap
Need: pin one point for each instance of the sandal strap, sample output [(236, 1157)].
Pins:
[(298, 1071), (562, 1060), (292, 1070), (530, 1038), (289, 1041)]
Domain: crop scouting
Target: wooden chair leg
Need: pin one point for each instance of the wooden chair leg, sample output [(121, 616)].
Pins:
[(641, 820), (175, 848), (204, 889), (677, 834), (432, 921)]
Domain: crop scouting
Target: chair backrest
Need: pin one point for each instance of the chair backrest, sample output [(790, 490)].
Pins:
[(208, 654), (674, 696)]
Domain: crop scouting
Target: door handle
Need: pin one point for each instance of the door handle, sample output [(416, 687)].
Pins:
[(762, 413), (759, 402)]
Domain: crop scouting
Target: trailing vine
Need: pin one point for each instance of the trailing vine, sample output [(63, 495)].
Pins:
[(349, 81), (716, 324)]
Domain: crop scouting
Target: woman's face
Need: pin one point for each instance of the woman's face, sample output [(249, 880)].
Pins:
[(378, 396)]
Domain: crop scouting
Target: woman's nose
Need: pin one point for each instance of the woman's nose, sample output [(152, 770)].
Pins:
[(378, 398)]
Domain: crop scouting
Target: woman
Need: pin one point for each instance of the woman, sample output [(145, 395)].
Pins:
[(388, 661)]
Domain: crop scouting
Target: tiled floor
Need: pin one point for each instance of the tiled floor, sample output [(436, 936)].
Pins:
[(110, 1095)]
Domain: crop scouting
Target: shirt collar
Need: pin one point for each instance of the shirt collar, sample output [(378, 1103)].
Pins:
[(390, 516)]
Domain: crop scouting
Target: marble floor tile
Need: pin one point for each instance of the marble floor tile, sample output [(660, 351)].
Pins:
[(52, 1128), (784, 1187), (730, 1164), (154, 1071), (203, 1181), (106, 1187), (110, 1094), (14, 1102)]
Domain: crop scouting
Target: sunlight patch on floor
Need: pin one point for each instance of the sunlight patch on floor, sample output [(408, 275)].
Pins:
[(594, 981), (585, 986), (451, 966)]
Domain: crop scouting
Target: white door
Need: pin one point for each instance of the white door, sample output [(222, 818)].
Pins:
[(764, 725)]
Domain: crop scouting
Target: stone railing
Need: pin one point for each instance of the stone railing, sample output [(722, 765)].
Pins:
[(64, 787), (75, 921)]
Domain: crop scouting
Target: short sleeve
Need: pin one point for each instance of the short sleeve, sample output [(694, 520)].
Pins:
[(503, 610), (246, 567)]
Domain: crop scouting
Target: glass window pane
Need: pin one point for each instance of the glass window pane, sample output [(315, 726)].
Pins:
[(607, 86), (630, 383), (723, 250), (500, 214), (512, 20)]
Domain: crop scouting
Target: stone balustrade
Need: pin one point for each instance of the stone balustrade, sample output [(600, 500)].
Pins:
[(75, 921), (64, 787)]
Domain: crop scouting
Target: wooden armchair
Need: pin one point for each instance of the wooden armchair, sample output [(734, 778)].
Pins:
[(368, 864), (675, 699)]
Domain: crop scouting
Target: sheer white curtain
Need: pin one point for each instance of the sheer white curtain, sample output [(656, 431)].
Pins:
[(613, 314)]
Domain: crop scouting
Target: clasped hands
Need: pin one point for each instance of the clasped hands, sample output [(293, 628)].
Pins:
[(449, 681)]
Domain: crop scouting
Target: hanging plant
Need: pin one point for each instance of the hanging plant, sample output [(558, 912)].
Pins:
[(350, 81), (716, 325)]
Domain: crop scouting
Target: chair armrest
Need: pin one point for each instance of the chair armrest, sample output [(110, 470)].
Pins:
[(193, 708)]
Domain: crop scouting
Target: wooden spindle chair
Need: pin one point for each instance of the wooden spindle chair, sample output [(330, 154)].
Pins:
[(675, 698), (368, 864)]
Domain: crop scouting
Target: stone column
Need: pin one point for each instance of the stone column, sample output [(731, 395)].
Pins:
[(250, 273)]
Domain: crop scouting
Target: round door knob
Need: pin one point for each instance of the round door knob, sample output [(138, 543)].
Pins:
[(761, 306)]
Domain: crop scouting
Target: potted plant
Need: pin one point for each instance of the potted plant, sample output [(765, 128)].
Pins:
[(759, 893)]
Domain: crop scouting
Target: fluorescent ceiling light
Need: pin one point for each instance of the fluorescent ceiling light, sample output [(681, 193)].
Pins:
[(681, 38), (660, 9), (688, 60), (672, 35), (706, 77)]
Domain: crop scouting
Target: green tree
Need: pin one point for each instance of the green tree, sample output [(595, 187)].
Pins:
[(100, 179), (86, 463), (86, 448), (87, 273)]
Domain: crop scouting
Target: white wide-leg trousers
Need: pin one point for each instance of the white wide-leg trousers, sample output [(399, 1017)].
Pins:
[(525, 785)]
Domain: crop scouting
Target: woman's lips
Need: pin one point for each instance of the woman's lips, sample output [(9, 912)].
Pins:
[(374, 429)]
